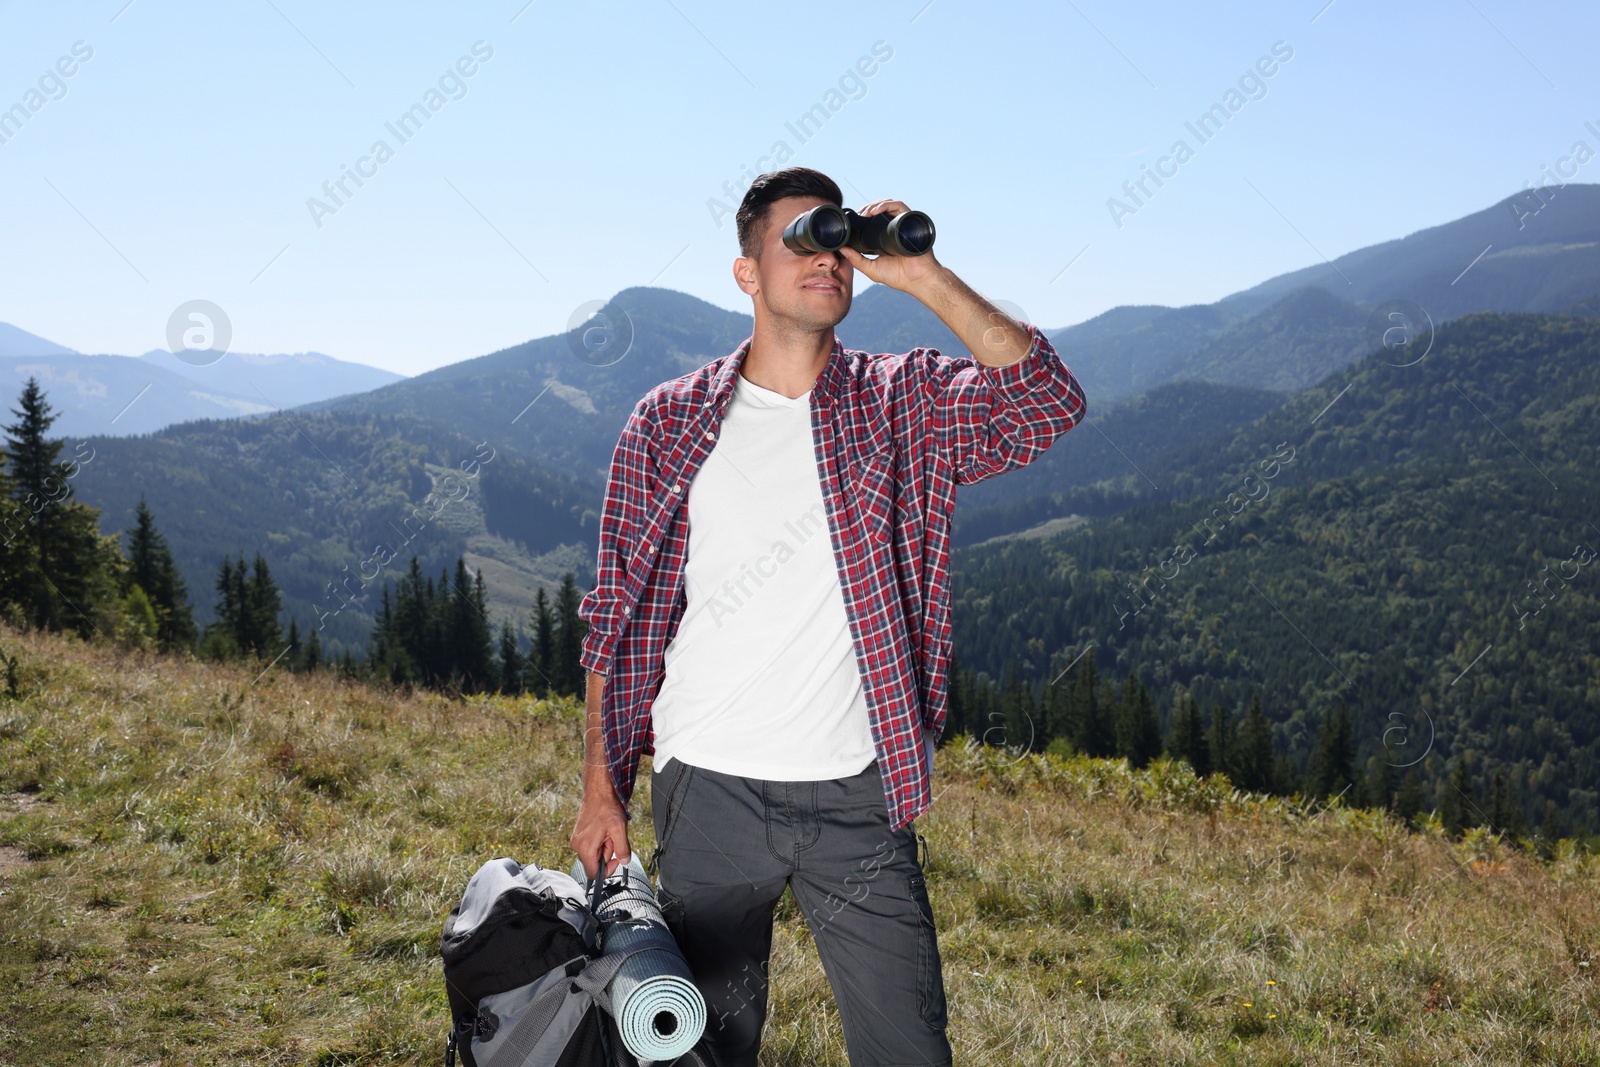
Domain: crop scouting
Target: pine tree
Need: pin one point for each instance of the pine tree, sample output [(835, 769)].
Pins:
[(1222, 740), (18, 562), (570, 629), (1254, 762), (1286, 777), (295, 654), (261, 605), (1057, 711), (1550, 827), (1009, 728), (1377, 788), (87, 571), (1122, 717), (1331, 771), (34, 467), (469, 641), (1091, 730), (1458, 806), (70, 575), (542, 654), (510, 660), (1138, 733), (230, 608), (409, 661), (955, 714), (1186, 740), (151, 568), (1505, 808), (1408, 798), (313, 659)]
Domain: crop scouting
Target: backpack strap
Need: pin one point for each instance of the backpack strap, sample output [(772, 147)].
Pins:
[(595, 975)]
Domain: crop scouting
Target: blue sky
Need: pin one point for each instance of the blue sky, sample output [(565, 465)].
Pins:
[(583, 155)]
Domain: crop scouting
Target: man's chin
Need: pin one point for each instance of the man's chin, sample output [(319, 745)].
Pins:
[(831, 308)]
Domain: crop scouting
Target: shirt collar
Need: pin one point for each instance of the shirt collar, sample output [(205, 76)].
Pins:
[(727, 375)]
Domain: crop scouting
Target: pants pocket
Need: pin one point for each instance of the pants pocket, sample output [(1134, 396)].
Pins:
[(676, 781), (930, 971)]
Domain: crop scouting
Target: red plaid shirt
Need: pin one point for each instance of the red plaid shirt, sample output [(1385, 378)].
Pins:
[(895, 435)]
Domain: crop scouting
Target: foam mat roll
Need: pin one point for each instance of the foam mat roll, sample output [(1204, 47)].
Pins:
[(658, 1009)]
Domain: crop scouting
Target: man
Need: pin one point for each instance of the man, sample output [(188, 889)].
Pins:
[(772, 621)]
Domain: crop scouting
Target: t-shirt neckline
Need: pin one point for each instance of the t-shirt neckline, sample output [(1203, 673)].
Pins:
[(771, 397)]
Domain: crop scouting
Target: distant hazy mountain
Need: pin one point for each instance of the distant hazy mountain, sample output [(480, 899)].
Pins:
[(1533, 259), (277, 381), (135, 395), (15, 342), (116, 395), (1514, 256)]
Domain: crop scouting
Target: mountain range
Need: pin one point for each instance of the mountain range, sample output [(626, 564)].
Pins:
[(1181, 402)]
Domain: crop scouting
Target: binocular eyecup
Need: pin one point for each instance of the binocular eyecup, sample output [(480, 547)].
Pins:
[(826, 228)]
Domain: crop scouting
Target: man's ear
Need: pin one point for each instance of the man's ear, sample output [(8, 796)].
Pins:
[(744, 275)]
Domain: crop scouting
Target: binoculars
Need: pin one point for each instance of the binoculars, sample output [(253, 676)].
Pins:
[(826, 228)]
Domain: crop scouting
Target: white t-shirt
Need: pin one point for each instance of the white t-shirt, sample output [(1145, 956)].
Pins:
[(761, 678)]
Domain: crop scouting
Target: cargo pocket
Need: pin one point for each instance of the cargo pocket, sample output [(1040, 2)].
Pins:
[(930, 975)]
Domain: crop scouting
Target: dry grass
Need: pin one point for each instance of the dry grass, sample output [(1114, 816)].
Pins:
[(196, 867)]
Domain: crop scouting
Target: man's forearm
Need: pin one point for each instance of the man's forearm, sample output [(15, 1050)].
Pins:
[(993, 337), (596, 770)]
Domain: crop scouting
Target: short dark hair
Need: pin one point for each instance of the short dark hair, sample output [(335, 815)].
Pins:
[(775, 185)]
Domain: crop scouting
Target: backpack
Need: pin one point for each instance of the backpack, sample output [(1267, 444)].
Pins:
[(525, 979)]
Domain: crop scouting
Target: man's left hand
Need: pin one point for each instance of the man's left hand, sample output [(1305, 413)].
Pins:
[(905, 273)]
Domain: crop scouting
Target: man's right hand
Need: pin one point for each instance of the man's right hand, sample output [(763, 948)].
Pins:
[(601, 830)]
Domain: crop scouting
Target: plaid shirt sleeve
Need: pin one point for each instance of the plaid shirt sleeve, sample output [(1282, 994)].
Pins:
[(989, 420), (628, 488)]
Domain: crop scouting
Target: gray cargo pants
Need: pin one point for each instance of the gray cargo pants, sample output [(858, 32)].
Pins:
[(727, 846)]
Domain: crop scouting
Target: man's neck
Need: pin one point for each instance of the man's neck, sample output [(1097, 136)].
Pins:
[(786, 360)]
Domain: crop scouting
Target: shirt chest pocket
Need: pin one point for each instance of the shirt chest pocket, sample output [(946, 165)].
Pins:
[(873, 485)]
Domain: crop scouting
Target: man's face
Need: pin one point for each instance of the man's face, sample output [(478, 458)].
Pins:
[(812, 290)]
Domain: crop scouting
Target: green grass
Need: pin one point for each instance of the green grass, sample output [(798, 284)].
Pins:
[(196, 867)]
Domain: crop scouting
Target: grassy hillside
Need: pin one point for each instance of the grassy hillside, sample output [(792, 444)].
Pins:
[(200, 865)]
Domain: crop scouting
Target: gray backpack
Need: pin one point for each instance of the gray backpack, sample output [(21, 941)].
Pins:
[(526, 983)]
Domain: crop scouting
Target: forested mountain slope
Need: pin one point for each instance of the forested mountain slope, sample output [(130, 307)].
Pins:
[(1412, 540)]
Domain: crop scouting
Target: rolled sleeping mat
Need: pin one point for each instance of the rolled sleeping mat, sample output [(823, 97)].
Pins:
[(657, 1007)]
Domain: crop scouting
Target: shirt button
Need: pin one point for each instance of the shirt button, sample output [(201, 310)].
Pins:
[(627, 611), (649, 548), (678, 488), (710, 436)]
